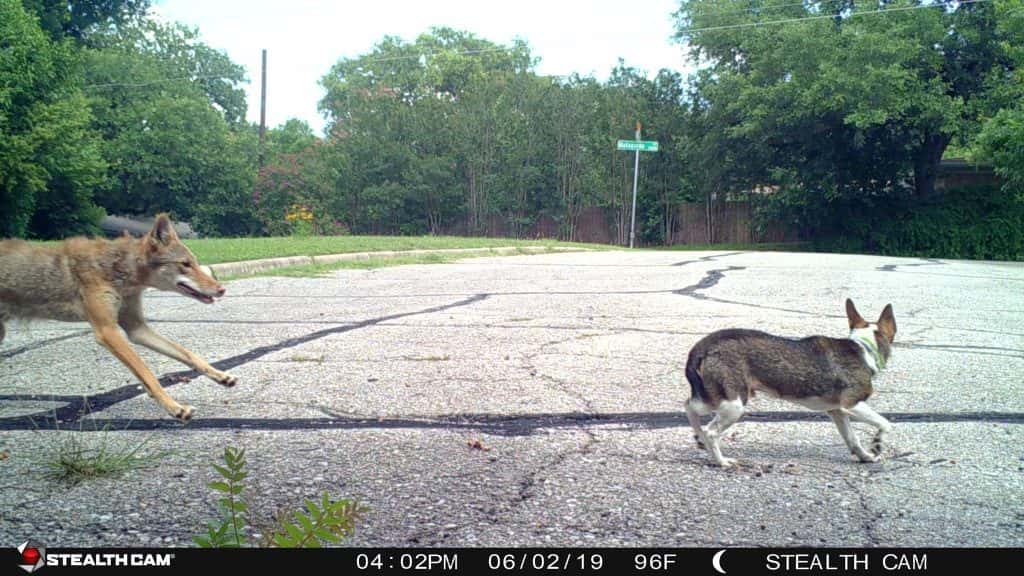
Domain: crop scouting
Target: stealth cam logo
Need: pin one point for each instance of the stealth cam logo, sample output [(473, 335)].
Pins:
[(33, 556)]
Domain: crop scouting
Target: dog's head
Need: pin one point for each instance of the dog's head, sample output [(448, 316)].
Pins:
[(173, 267), (882, 332)]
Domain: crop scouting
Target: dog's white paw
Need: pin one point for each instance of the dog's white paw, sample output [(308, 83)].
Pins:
[(868, 458), (699, 442), (727, 462), (877, 447)]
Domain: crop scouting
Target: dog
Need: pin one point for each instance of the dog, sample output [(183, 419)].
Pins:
[(833, 375), (101, 281)]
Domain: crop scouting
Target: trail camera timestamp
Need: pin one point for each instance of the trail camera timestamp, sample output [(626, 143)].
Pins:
[(426, 561)]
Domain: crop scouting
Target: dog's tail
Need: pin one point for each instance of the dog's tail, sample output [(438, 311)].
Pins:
[(693, 362)]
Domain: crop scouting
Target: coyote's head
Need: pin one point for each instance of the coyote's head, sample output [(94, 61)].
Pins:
[(173, 267)]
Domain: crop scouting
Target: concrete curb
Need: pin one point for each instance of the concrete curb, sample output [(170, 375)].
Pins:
[(253, 266)]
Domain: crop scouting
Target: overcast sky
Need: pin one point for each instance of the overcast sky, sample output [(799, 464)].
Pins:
[(304, 38)]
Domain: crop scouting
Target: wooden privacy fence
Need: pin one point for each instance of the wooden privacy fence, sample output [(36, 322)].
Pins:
[(730, 222), (726, 222)]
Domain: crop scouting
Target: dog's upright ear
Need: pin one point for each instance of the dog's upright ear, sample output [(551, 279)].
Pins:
[(163, 232), (887, 323), (856, 320)]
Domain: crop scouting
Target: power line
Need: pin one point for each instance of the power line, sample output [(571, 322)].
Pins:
[(428, 54), (752, 9), (222, 77), (688, 31), (683, 32)]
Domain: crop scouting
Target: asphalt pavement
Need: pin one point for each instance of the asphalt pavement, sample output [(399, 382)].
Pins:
[(535, 401)]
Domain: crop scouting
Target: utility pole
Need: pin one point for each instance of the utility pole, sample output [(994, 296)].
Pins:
[(636, 173), (263, 109)]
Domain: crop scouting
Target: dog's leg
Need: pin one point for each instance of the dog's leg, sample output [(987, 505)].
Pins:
[(726, 414), (2, 331), (694, 410), (139, 332), (107, 334), (846, 431), (861, 412)]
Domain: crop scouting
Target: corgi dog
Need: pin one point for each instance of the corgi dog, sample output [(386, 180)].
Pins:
[(833, 375)]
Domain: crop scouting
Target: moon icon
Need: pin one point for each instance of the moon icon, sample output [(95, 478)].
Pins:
[(716, 561)]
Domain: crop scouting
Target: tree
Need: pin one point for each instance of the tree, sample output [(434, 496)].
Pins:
[(1002, 137), (171, 115), (49, 158), (75, 19), (848, 105)]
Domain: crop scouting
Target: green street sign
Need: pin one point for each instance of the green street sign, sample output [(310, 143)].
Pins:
[(641, 145)]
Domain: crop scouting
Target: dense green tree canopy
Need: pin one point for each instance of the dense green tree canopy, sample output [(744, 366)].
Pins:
[(49, 158)]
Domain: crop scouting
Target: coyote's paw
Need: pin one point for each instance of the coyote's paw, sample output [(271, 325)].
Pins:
[(224, 379), (185, 413)]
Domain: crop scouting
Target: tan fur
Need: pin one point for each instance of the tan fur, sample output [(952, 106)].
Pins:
[(101, 282)]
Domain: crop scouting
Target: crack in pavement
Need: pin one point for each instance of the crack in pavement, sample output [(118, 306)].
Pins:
[(924, 262), (963, 349), (711, 278), (508, 425), (41, 343), (539, 475), (870, 518), (706, 258)]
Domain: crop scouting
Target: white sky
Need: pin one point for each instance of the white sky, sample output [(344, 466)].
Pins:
[(304, 38)]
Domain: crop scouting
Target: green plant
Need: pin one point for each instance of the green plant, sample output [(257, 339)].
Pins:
[(75, 457), (231, 531), (328, 521)]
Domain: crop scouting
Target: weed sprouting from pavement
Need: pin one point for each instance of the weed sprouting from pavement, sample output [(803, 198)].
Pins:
[(327, 521), (75, 456)]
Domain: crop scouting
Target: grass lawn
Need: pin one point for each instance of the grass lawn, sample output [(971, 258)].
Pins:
[(217, 250), (313, 270)]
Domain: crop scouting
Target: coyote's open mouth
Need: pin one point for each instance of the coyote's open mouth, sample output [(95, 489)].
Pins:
[(190, 291)]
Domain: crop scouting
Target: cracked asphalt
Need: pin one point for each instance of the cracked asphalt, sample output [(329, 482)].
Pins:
[(535, 401)]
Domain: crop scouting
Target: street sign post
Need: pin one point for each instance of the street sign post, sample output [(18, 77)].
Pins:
[(637, 146)]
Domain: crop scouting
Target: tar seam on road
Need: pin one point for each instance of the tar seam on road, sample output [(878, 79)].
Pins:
[(924, 262), (37, 345), (502, 424), (711, 258)]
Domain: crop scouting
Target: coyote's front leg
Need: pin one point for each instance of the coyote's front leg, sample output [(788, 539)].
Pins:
[(100, 316)]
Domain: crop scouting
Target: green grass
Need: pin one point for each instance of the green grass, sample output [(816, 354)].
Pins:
[(217, 250), (79, 456), (315, 270)]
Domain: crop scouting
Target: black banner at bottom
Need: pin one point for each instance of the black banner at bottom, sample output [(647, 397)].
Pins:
[(32, 558)]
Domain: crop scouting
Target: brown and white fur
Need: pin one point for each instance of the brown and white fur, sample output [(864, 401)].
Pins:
[(101, 281), (833, 375)]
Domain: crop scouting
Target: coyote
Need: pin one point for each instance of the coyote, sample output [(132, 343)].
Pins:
[(101, 281)]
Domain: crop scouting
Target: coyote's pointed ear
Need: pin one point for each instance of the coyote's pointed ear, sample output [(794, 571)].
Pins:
[(856, 320), (887, 323), (163, 232)]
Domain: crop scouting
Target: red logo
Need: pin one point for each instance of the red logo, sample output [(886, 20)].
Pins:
[(33, 556)]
